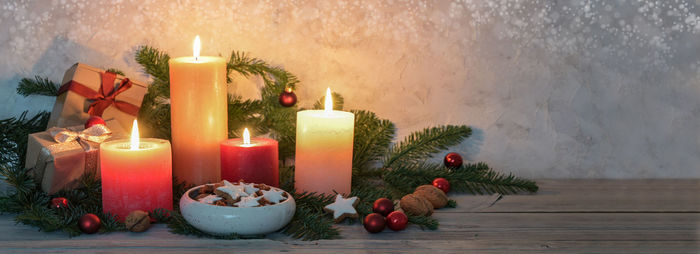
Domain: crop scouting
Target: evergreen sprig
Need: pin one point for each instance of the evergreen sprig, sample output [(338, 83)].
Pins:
[(13, 137), (37, 86), (422, 144)]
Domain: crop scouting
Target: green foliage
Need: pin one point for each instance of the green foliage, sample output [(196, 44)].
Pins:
[(471, 178), (155, 63), (419, 145), (372, 139), (37, 86), (13, 137), (338, 102), (308, 224), (424, 222), (117, 71)]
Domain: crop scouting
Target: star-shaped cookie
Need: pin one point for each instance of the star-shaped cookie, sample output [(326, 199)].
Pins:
[(342, 208), (231, 192), (249, 201), (249, 188), (210, 199), (273, 195)]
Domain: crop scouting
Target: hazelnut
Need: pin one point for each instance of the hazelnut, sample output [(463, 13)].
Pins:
[(416, 205), (431, 193), (137, 221)]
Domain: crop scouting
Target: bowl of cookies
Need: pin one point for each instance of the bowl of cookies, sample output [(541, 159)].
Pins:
[(241, 208)]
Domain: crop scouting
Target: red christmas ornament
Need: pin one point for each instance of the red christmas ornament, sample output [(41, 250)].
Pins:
[(374, 223), (453, 160), (59, 202), (94, 120), (89, 223), (397, 221), (442, 183), (288, 98), (383, 206)]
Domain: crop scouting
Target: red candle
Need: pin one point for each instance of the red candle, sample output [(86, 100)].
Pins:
[(136, 175), (251, 160)]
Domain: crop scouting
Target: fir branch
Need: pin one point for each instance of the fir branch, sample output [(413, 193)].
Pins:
[(154, 62), (424, 222), (372, 138), (37, 86), (115, 70), (472, 178), (308, 225), (240, 62), (451, 203), (419, 145), (13, 138), (244, 114), (338, 102)]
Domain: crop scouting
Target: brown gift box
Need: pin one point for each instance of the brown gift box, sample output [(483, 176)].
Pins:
[(87, 90), (59, 166)]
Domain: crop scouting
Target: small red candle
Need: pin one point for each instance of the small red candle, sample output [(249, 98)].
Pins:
[(251, 160)]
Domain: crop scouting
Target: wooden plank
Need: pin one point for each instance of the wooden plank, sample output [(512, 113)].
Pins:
[(597, 196), (349, 246), (488, 226)]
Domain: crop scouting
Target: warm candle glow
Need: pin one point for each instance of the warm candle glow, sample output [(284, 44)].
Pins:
[(196, 47), (135, 136), (329, 100), (246, 137)]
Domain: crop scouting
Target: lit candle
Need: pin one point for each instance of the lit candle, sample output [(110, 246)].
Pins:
[(252, 160), (136, 175), (198, 115), (323, 161)]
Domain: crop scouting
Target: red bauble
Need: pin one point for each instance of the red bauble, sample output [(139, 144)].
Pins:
[(383, 206), (89, 223), (442, 183), (288, 98), (59, 202), (374, 223), (397, 221), (94, 120), (453, 160)]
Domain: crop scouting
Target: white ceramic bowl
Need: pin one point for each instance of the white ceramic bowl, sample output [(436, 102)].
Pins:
[(223, 220)]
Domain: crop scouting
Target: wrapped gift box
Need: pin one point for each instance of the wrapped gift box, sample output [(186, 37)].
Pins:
[(58, 157), (87, 90)]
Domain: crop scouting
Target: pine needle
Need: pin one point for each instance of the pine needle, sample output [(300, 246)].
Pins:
[(37, 86)]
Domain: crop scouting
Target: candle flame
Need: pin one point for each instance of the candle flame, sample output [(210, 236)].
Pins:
[(246, 137), (135, 136), (196, 47), (329, 100)]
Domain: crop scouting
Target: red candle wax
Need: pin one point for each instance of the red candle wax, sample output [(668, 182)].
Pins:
[(256, 162)]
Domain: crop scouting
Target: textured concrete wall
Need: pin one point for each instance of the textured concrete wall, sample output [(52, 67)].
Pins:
[(569, 88)]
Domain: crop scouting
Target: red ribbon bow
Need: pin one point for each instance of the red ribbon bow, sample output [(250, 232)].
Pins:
[(106, 96)]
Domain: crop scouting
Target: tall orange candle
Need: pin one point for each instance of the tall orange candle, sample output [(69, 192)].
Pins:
[(198, 116), (323, 161), (136, 175)]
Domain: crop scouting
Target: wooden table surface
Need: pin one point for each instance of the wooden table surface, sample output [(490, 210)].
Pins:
[(566, 216)]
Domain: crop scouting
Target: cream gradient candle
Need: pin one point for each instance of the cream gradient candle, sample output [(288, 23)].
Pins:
[(323, 161), (199, 119), (136, 175)]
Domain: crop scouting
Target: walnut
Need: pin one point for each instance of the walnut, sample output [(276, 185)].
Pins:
[(436, 196), (137, 221), (416, 205)]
